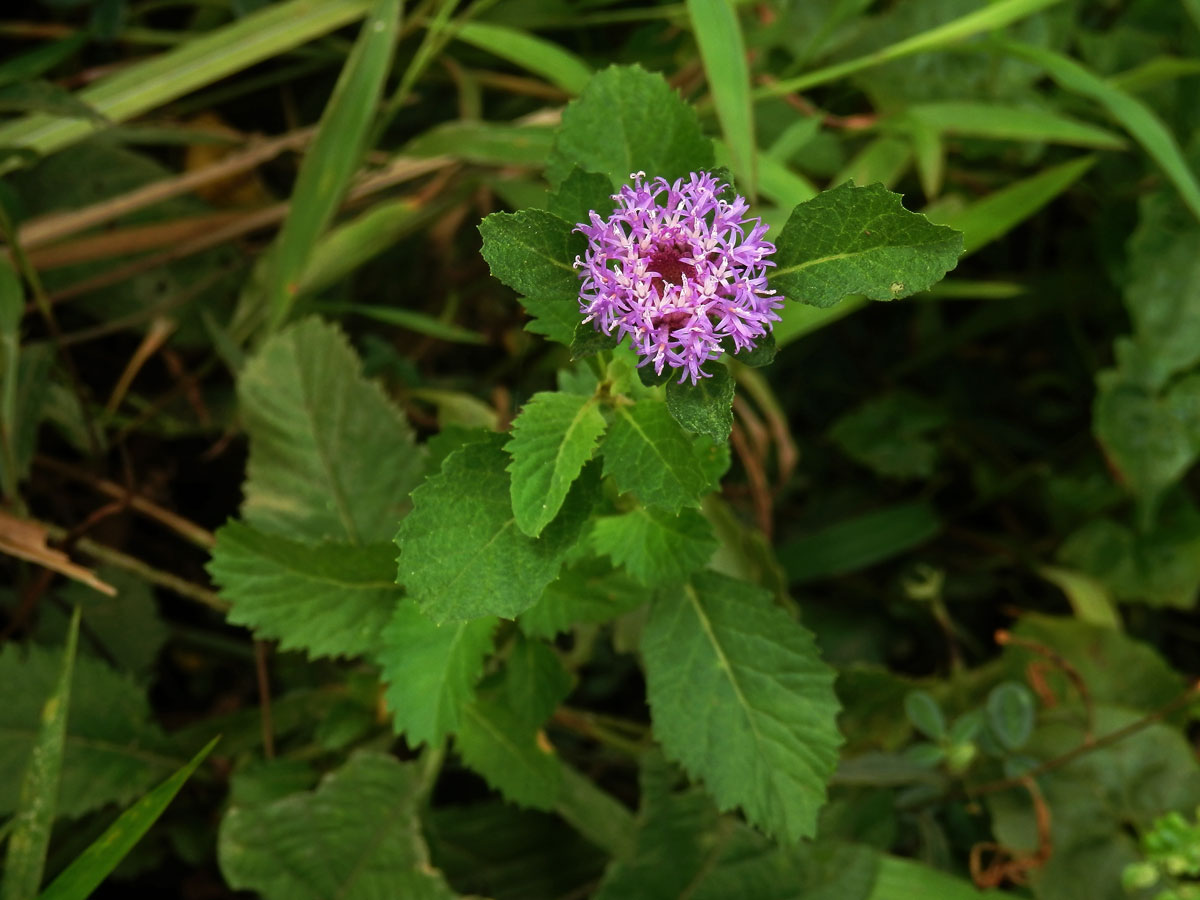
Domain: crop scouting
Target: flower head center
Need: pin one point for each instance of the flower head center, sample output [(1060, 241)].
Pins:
[(665, 260)]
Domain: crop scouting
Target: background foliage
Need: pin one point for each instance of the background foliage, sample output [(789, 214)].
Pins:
[(898, 606)]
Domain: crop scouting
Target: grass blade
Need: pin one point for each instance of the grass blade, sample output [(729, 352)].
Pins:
[(194, 64), (332, 159), (558, 66), (26, 855), (994, 15), (93, 865), (719, 36), (1143, 125), (1012, 123), (407, 318)]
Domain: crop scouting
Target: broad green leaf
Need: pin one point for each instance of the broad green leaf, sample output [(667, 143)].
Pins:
[(646, 452), (86, 872), (656, 547), (431, 670), (925, 714), (462, 555), (113, 749), (1010, 714), (329, 599), (628, 120), (589, 591), (723, 52), (535, 681), (767, 739), (1142, 123), (582, 193), (508, 752), (356, 837), (890, 435), (556, 318), (29, 840), (853, 240), (202, 60), (763, 353), (330, 455), (1090, 598), (1012, 123), (897, 878), (553, 437), (1150, 441), (530, 52), (855, 543), (705, 407), (533, 252), (588, 340), (986, 18), (332, 159)]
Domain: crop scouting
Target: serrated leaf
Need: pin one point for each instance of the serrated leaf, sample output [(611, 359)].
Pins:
[(860, 240), (581, 193), (330, 599), (533, 252), (590, 590), (628, 120), (462, 555), (495, 742), (646, 452), (330, 455), (762, 354), (705, 407), (556, 319), (431, 670), (553, 437), (589, 341), (656, 547), (113, 750), (357, 837), (766, 739)]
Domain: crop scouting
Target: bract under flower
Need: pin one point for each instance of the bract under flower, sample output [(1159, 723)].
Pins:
[(678, 269)]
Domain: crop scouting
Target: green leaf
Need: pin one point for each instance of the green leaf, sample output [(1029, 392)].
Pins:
[(113, 750), (723, 52), (553, 437), (628, 120), (1012, 123), (589, 591), (925, 714), (487, 144), (762, 354), (530, 52), (535, 682), (1135, 116), (767, 739), (855, 543), (557, 319), (582, 193), (25, 857), (431, 670), (889, 435), (506, 750), (646, 452), (1010, 714), (46, 97), (860, 240), (357, 837), (588, 340), (330, 455), (705, 407), (89, 869), (655, 547), (461, 553), (407, 319), (329, 599), (332, 159), (533, 252)]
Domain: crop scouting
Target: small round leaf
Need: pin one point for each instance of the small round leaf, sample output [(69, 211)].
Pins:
[(1010, 714), (925, 714)]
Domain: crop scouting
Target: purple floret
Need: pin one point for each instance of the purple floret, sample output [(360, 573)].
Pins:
[(677, 273)]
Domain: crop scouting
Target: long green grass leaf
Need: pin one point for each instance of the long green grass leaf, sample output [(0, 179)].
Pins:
[(1012, 123), (194, 64), (530, 52), (1143, 125), (26, 856), (994, 15), (332, 159), (719, 36), (94, 864)]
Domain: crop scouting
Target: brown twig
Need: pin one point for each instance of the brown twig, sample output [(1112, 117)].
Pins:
[(1056, 659), (1008, 865)]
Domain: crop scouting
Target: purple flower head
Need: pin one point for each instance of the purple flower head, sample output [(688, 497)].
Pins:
[(678, 270)]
